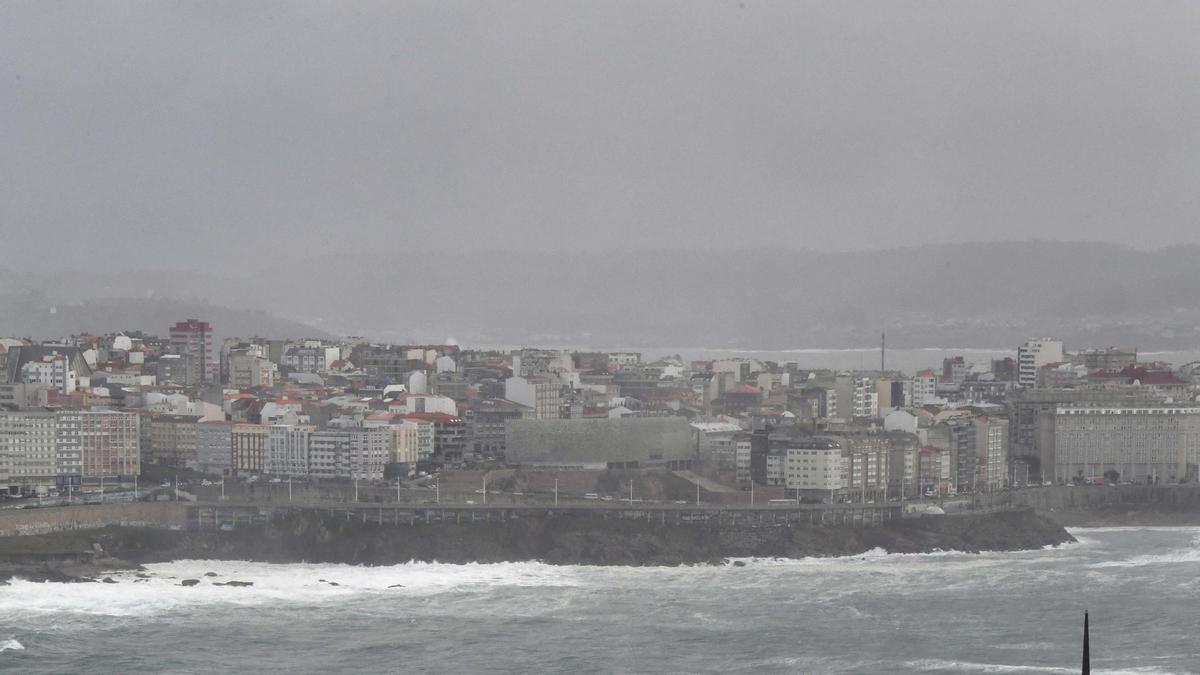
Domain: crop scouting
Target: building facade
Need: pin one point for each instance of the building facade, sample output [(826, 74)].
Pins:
[(214, 451), (195, 339), (287, 450), (1143, 443), (249, 448), (1035, 353), (815, 467)]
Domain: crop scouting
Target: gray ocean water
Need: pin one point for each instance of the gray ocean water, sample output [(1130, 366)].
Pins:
[(878, 613)]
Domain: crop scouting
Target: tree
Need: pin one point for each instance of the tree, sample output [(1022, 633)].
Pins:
[(1112, 476)]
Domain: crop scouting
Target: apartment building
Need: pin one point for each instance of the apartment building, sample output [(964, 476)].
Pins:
[(1156, 443)]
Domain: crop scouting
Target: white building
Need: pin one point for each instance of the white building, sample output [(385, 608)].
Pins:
[(310, 356), (815, 469), (359, 454), (54, 370), (405, 438), (445, 364), (924, 388), (741, 450), (247, 371), (409, 404), (542, 393), (214, 448), (1035, 353), (287, 450), (418, 382), (776, 469), (28, 449), (991, 452), (866, 397)]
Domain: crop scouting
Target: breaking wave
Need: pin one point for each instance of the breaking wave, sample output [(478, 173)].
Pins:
[(1172, 558), (941, 665), (160, 588), (11, 644)]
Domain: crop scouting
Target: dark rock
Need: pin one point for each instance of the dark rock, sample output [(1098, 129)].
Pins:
[(211, 574), (739, 563), (189, 582), (109, 580), (396, 586), (234, 583)]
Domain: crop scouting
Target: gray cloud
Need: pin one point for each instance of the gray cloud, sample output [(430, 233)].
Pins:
[(199, 134)]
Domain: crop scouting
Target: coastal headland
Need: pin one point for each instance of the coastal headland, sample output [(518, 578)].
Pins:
[(329, 535), (81, 542)]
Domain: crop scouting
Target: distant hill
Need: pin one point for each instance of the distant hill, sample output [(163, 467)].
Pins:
[(155, 317), (953, 295)]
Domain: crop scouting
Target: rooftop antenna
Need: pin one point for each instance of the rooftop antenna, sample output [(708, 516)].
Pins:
[(882, 353)]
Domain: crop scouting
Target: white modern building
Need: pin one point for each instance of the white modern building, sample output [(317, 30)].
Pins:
[(359, 454), (1035, 353), (287, 450), (821, 468)]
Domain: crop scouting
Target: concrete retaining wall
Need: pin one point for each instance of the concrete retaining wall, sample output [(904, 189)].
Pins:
[(1092, 496), (61, 518)]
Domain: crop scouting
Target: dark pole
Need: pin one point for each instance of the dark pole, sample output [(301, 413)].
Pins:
[(1087, 657)]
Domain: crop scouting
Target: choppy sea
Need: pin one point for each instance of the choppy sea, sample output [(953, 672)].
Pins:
[(876, 613)]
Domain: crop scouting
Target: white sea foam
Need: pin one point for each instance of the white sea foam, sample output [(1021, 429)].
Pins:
[(1173, 558), (1076, 531), (926, 665), (874, 555), (11, 644), (299, 584)]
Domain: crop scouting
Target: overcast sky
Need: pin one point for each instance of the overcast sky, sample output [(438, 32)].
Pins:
[(201, 132)]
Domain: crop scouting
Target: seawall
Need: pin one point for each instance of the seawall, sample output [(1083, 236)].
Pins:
[(1102, 505), (318, 536), (31, 521)]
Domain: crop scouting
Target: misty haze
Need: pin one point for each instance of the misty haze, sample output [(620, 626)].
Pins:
[(660, 336)]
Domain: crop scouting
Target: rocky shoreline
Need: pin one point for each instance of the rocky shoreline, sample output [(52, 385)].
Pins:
[(564, 540)]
